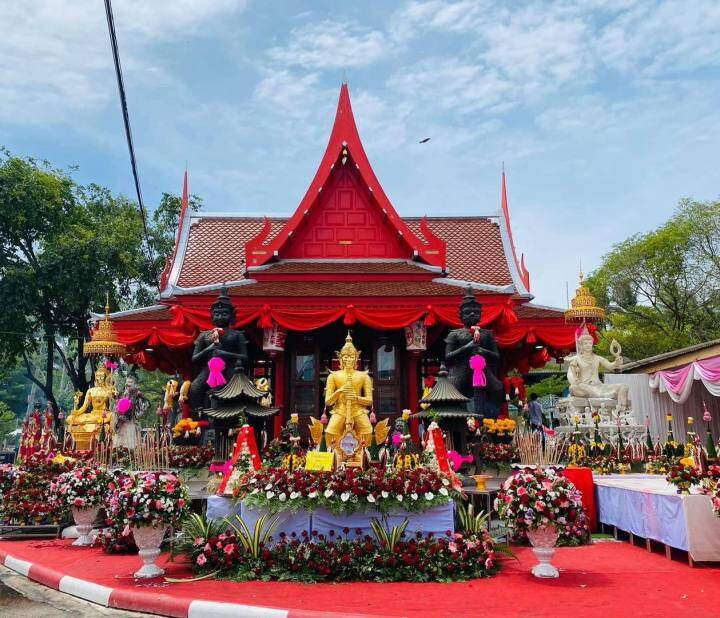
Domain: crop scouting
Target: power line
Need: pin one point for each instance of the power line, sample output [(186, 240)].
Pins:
[(126, 121)]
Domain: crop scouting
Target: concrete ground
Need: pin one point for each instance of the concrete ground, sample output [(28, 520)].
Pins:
[(21, 597)]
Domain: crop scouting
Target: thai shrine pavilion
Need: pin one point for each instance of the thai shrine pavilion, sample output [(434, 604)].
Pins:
[(344, 260)]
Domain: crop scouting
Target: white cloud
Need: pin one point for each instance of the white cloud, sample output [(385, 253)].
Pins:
[(416, 17), (291, 92), (670, 36), (451, 84), (329, 44), (55, 54)]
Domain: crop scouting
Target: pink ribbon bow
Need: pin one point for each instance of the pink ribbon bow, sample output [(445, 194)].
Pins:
[(477, 364), (216, 377)]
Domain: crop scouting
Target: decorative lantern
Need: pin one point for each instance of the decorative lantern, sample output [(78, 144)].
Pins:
[(416, 336), (274, 339)]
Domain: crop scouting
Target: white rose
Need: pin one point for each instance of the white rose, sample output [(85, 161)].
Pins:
[(345, 496), (328, 493), (384, 494), (294, 495), (445, 482), (443, 491), (312, 494), (268, 486), (269, 494), (282, 497), (371, 498), (399, 497), (414, 496), (429, 495)]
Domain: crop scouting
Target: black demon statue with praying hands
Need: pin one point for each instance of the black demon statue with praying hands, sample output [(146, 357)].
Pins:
[(461, 345), (221, 342)]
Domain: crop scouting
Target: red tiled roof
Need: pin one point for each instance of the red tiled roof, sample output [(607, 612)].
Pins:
[(148, 313), (536, 312), (346, 288), (216, 249), (474, 248)]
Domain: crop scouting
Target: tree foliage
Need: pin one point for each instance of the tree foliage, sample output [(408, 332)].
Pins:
[(63, 248), (661, 290)]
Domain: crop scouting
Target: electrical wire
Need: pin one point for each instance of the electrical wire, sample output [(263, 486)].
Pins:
[(126, 121)]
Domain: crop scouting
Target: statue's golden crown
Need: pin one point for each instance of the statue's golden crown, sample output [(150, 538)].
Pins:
[(349, 348)]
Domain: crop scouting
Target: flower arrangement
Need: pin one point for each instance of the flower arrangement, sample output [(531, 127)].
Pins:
[(659, 464), (683, 476), (83, 487), (192, 456), (348, 556), (188, 429), (27, 499), (493, 455), (533, 498), (148, 499), (346, 491), (499, 426)]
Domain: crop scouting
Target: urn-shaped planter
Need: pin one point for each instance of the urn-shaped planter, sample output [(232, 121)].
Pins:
[(84, 520), (148, 539), (543, 540)]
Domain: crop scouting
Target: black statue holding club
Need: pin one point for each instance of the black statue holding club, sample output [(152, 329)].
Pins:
[(219, 342), (464, 343)]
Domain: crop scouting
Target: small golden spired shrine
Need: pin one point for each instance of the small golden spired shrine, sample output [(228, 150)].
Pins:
[(583, 307), (348, 394), (95, 417)]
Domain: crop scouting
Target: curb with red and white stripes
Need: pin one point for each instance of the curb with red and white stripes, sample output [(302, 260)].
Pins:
[(147, 601)]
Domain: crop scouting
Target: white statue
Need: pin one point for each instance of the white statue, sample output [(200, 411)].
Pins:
[(584, 372)]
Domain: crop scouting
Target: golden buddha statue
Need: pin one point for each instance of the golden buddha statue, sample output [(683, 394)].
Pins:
[(87, 420), (348, 394)]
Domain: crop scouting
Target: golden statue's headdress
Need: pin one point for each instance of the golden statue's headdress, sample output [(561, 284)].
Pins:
[(349, 348)]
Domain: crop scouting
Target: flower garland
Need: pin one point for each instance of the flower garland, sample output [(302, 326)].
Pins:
[(533, 498), (148, 499), (344, 556), (83, 487), (347, 491), (191, 456)]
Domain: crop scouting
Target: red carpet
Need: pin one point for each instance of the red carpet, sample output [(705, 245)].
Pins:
[(606, 579)]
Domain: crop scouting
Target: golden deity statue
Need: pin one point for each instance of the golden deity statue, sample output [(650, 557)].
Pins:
[(87, 420), (348, 394)]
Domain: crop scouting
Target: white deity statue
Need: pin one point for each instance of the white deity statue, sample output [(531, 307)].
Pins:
[(584, 372)]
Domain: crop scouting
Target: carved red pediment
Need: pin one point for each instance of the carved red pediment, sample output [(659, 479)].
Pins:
[(345, 213)]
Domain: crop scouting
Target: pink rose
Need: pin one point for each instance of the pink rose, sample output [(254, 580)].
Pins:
[(201, 559), (452, 547)]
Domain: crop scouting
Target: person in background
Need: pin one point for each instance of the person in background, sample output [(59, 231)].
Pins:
[(535, 413)]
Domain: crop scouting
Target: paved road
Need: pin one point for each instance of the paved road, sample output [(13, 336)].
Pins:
[(20, 597)]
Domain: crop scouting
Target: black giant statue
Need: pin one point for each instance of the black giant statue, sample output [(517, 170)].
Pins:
[(461, 345), (221, 341)]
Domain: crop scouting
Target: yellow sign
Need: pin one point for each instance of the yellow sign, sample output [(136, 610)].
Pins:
[(319, 462)]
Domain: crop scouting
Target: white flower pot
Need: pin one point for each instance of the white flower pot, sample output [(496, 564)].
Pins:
[(543, 541), (148, 539), (84, 520)]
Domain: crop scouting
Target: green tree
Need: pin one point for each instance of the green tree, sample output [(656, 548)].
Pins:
[(661, 290), (63, 247), (8, 420)]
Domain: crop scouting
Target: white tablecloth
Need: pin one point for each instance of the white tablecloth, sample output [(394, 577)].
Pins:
[(649, 507)]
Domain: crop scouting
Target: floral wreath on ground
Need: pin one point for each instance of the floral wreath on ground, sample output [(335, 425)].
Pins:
[(148, 499), (85, 486), (533, 498), (347, 491), (346, 555)]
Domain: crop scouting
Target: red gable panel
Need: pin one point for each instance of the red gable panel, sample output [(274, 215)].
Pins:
[(354, 217)]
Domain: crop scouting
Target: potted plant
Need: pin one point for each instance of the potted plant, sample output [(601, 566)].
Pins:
[(541, 504), (148, 503), (83, 490)]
